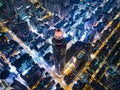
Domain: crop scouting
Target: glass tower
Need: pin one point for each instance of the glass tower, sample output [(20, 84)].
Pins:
[(59, 51)]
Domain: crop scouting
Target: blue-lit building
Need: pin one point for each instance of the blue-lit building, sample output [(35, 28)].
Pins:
[(60, 7)]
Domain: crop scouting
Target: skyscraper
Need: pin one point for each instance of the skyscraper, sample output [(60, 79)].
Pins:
[(59, 51), (61, 7)]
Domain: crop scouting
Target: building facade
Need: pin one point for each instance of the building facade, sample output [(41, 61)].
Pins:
[(60, 7)]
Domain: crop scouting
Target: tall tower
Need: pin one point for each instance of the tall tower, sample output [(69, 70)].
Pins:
[(61, 7), (59, 51)]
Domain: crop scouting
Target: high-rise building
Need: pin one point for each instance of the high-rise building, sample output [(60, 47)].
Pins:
[(60, 7), (59, 51)]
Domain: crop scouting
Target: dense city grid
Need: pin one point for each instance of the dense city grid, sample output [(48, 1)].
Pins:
[(59, 44)]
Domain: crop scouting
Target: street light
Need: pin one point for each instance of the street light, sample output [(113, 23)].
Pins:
[(92, 56)]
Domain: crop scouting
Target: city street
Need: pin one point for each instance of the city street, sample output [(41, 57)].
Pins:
[(60, 44)]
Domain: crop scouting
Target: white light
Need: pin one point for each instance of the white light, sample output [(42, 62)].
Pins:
[(92, 56), (13, 69), (65, 35), (27, 6), (25, 71), (74, 40), (51, 27), (97, 36), (83, 36), (42, 35), (49, 40), (75, 82), (71, 33), (50, 49)]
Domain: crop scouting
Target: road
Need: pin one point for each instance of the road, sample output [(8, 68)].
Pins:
[(38, 60), (103, 44), (101, 64), (13, 69)]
